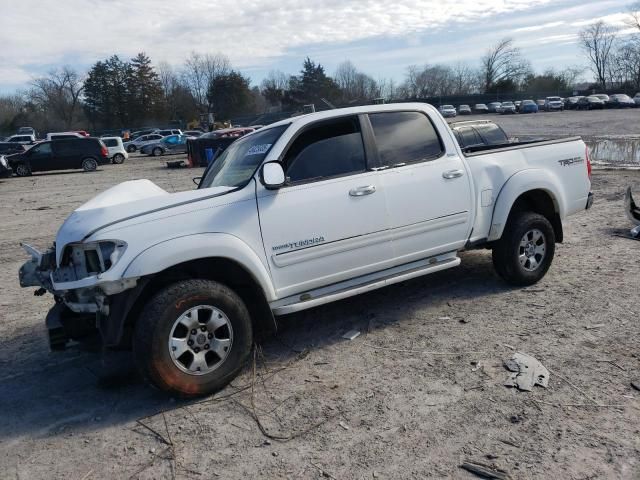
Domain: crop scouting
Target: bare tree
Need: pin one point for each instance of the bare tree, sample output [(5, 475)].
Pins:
[(465, 79), (273, 87), (634, 15), (58, 94), (199, 72), (597, 41), (503, 62), (355, 85)]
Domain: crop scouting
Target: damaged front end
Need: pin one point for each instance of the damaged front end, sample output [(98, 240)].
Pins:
[(80, 284)]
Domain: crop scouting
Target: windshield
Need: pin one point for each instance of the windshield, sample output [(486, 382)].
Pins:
[(238, 163)]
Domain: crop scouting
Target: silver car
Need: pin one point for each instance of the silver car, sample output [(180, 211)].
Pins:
[(141, 141)]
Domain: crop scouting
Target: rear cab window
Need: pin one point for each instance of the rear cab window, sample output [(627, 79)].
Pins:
[(492, 134), (327, 149), (405, 137)]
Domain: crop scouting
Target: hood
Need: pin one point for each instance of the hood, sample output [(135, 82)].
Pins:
[(125, 201)]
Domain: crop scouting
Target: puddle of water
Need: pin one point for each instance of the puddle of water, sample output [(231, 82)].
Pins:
[(619, 152)]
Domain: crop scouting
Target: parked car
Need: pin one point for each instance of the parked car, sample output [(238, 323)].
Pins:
[(186, 278), (480, 108), (494, 107), (27, 131), (63, 154), (571, 103), (553, 104), (84, 133), (192, 133), (590, 102), (170, 131), (528, 106), (636, 99), (464, 110), (117, 153), (169, 144), (141, 141), (507, 107), (604, 97), (620, 100), (478, 133), (541, 104), (9, 148), (23, 139), (518, 104), (61, 135), (5, 168), (448, 111)]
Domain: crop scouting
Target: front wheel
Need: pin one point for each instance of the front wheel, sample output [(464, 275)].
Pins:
[(192, 338), (525, 251), (23, 170), (156, 152), (131, 148)]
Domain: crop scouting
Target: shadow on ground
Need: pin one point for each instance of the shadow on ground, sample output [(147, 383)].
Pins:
[(74, 390)]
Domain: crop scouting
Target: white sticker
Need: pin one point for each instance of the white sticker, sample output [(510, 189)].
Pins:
[(259, 149)]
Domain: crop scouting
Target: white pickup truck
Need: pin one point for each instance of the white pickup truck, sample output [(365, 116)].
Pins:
[(300, 213)]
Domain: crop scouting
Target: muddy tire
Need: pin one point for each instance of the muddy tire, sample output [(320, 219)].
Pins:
[(525, 252), (89, 165), (118, 159), (192, 338), (22, 170)]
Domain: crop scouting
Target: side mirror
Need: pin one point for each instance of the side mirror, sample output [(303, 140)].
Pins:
[(272, 175), (197, 180)]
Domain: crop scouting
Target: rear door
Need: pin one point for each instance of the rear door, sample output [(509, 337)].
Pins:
[(329, 222), (65, 153), (428, 191)]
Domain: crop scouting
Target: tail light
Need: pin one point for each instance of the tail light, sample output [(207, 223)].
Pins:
[(586, 154), (104, 152)]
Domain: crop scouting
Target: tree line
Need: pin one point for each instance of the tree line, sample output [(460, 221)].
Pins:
[(120, 93)]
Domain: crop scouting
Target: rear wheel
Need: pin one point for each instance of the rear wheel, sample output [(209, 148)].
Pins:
[(525, 252), (23, 170), (89, 165), (118, 158), (192, 338)]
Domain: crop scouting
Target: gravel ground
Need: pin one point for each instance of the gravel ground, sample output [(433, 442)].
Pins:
[(416, 394)]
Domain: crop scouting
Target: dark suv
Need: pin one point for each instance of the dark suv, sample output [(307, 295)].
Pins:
[(65, 154)]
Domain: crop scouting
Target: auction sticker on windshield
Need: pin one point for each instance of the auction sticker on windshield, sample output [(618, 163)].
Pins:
[(259, 149)]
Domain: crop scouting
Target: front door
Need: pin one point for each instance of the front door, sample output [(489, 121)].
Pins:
[(329, 222), (40, 157), (428, 189)]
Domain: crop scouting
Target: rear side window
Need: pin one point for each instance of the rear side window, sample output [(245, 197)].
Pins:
[(65, 147), (110, 142), (328, 149), (492, 134), (468, 136), (405, 137)]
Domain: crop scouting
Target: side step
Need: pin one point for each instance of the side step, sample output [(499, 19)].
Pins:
[(320, 296)]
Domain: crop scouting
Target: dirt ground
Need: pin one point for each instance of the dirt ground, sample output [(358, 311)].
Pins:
[(418, 393)]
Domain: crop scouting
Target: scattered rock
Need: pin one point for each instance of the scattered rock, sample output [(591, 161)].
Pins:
[(636, 384), (351, 335), (485, 471)]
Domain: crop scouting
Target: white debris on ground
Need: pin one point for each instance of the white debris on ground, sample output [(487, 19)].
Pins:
[(527, 372)]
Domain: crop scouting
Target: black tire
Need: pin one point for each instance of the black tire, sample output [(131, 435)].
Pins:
[(131, 148), (118, 159), (89, 164), (156, 152), (22, 170), (155, 327), (508, 251)]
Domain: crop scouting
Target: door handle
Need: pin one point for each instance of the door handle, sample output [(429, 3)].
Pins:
[(452, 174), (361, 191)]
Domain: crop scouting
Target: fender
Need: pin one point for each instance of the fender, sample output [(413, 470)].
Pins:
[(519, 183), (178, 250)]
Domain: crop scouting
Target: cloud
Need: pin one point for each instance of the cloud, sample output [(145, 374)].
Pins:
[(535, 28), (251, 32)]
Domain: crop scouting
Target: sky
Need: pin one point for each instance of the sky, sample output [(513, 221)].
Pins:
[(381, 38)]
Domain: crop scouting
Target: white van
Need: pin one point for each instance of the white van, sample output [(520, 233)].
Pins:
[(117, 153), (61, 135)]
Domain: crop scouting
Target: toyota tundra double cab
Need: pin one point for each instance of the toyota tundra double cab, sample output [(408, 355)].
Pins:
[(297, 214)]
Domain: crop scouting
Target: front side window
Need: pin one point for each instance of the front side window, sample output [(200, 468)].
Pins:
[(405, 137), (327, 149), (238, 163), (41, 150)]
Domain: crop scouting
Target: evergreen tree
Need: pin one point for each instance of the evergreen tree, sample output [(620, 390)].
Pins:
[(144, 90), (230, 95), (312, 86)]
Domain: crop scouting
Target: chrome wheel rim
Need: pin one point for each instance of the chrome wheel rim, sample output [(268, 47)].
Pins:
[(22, 170), (90, 165), (200, 340), (532, 250)]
